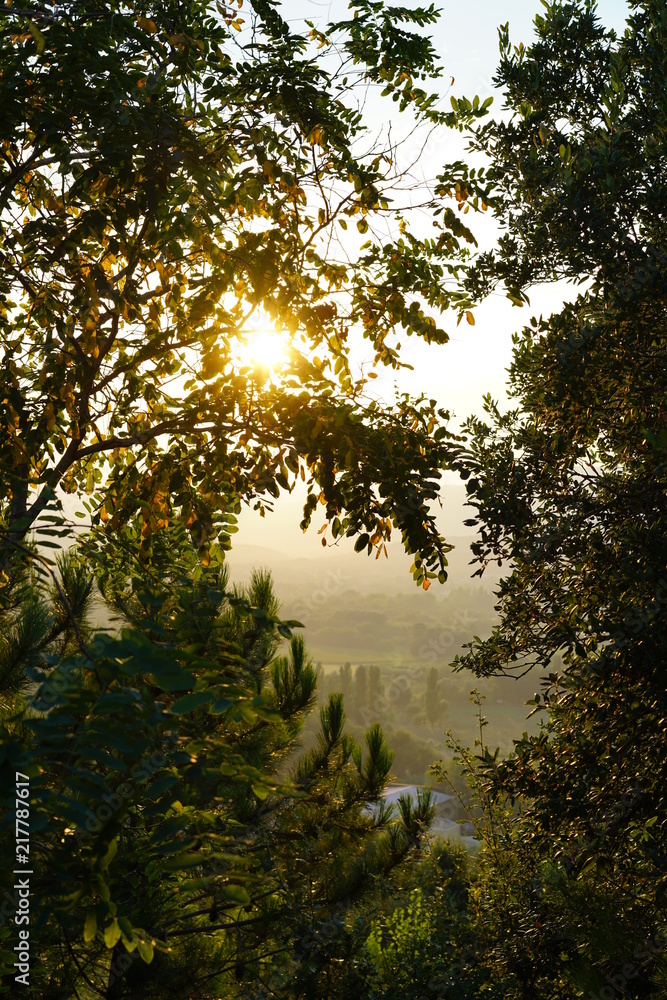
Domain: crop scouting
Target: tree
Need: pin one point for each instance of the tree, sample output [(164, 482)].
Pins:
[(434, 705), (345, 680), (361, 687), (375, 687), (167, 851), (122, 815), (165, 183), (569, 491), (333, 860)]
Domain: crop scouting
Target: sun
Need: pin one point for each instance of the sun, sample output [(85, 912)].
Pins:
[(263, 349)]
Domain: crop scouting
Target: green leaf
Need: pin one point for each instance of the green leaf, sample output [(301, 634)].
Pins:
[(161, 785), (267, 714), (189, 702), (181, 861), (90, 926), (229, 770), (237, 894), (180, 681), (112, 933), (145, 949), (361, 542), (110, 854)]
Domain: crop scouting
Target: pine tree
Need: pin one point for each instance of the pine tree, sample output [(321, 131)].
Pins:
[(173, 843)]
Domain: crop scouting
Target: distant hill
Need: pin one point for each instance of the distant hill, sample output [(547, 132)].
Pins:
[(328, 568), (366, 610)]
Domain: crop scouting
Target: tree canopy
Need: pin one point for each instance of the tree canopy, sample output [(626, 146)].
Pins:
[(568, 490), (170, 175), (172, 824)]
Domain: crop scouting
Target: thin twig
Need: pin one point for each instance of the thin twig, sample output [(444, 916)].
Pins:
[(96, 989)]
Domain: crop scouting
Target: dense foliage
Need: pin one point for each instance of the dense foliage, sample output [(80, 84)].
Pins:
[(170, 179), (569, 491), (161, 186), (163, 826)]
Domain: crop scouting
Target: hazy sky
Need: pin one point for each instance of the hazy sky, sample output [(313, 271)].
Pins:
[(475, 359)]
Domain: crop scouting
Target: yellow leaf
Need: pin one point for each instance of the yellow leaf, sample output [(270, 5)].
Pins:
[(146, 24), (40, 41), (426, 584), (470, 318)]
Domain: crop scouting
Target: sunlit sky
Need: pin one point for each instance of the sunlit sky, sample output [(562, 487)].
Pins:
[(476, 358)]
